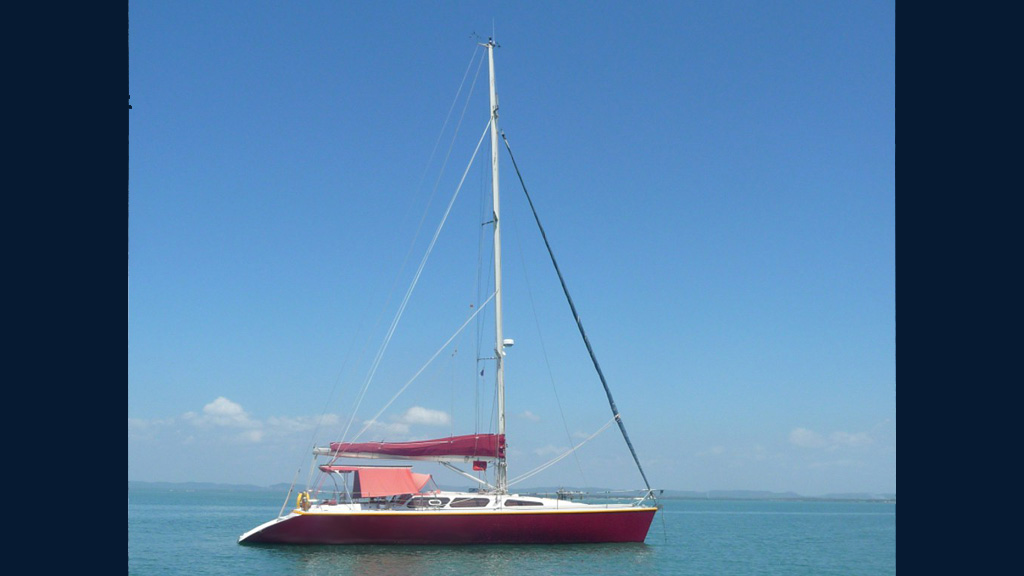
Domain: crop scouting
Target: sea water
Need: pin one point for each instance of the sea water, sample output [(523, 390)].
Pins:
[(196, 532)]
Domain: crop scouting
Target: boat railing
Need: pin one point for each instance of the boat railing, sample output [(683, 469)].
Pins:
[(327, 497), (607, 497)]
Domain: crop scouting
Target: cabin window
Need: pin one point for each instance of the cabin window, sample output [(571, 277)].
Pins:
[(470, 503), (427, 502), (523, 503)]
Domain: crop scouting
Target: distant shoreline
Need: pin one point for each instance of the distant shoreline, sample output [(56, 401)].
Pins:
[(667, 494)]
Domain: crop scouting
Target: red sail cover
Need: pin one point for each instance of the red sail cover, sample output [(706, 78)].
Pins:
[(472, 446)]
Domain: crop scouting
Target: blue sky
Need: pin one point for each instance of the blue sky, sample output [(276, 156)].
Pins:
[(717, 179)]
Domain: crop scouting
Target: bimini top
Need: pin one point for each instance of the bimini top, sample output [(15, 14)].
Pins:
[(381, 481), (471, 446)]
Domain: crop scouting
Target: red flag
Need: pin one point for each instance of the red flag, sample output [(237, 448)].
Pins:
[(479, 465)]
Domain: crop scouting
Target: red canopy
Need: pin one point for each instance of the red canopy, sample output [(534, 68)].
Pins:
[(471, 446), (377, 482)]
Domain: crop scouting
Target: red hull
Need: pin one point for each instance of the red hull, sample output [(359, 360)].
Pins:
[(627, 525)]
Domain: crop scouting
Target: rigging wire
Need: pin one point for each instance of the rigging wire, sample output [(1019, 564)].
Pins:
[(412, 286), (451, 405), (579, 323), (571, 450), (334, 389), (425, 365), (331, 397), (540, 338), (289, 496), (484, 195), (448, 117)]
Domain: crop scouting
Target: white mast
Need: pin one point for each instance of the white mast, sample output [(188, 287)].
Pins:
[(499, 345)]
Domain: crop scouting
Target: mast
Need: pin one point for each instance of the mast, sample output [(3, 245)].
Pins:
[(499, 344)]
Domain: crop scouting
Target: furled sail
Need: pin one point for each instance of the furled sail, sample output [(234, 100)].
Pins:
[(468, 447)]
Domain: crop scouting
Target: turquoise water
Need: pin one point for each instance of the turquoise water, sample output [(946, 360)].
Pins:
[(197, 532)]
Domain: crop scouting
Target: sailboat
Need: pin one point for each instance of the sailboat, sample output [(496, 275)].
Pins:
[(390, 504)]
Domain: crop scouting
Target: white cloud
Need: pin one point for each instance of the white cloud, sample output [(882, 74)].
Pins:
[(224, 423), (400, 427), (549, 450), (303, 423), (425, 416), (806, 438), (217, 419), (223, 415), (527, 415), (222, 412), (381, 430), (253, 436)]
